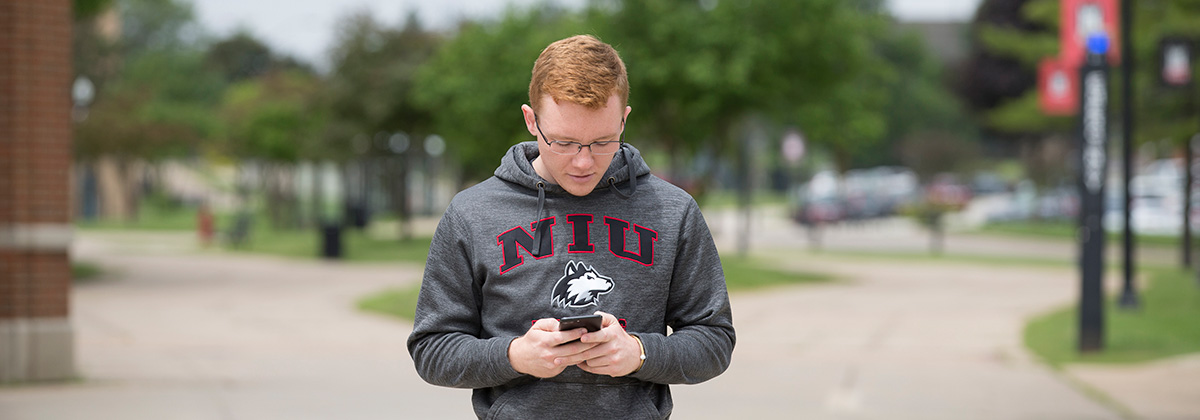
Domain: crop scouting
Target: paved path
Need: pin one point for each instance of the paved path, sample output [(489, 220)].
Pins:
[(913, 341), (963, 322), (171, 334), (184, 336)]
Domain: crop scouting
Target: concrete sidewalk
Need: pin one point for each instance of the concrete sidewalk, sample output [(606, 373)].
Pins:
[(171, 334), (987, 302), (175, 334)]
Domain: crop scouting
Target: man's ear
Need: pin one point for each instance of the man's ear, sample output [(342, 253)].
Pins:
[(530, 120)]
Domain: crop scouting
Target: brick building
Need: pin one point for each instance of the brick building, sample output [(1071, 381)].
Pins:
[(36, 337)]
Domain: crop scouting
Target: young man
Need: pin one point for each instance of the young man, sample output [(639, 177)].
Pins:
[(571, 224)]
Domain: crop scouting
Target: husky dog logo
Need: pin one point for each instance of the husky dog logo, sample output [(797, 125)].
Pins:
[(579, 286)]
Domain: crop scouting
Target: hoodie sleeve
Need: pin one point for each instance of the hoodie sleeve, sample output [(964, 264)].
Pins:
[(698, 312), (445, 344)]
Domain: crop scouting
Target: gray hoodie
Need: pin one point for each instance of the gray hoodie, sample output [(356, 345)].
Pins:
[(516, 248)]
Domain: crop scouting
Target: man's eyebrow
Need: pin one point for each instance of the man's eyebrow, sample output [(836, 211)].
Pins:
[(568, 138)]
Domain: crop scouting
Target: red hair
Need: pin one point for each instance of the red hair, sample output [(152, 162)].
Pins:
[(580, 69)]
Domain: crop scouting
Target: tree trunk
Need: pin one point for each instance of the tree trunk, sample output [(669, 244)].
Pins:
[(400, 196), (127, 171), (318, 196), (937, 234)]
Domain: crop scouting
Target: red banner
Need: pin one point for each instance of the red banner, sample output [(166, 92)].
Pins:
[(1058, 87), (1083, 18), (1176, 64)]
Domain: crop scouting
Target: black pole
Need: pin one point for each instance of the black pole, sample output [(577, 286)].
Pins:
[(1129, 298), (1187, 203), (1093, 147)]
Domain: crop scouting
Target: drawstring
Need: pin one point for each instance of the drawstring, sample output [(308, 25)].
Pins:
[(612, 183), (537, 229), (612, 180)]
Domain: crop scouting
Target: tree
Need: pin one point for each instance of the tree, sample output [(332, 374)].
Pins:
[(153, 98), (477, 82), (241, 56), (1011, 36), (755, 68), (155, 25), (998, 82), (87, 9), (275, 120), (372, 98), (1161, 113), (920, 102), (796, 63)]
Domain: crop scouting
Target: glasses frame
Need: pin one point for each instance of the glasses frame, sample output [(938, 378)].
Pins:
[(579, 146)]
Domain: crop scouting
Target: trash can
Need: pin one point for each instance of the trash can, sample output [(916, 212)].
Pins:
[(331, 241), (356, 215)]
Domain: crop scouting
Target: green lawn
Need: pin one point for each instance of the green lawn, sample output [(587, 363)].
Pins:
[(740, 274), (1068, 230), (82, 271), (743, 274), (356, 245), (154, 213), (723, 200), (400, 303), (1167, 324), (925, 257)]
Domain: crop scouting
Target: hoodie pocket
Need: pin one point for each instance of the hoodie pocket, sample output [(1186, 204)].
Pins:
[(548, 399)]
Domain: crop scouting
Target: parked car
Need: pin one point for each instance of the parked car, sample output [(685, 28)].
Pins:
[(820, 211), (946, 190)]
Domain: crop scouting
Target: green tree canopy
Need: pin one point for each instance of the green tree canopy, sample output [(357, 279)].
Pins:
[(1012, 36), (154, 96), (373, 79), (475, 84), (697, 70), (274, 117), (241, 56)]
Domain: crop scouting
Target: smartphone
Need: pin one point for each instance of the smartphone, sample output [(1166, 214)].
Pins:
[(591, 322)]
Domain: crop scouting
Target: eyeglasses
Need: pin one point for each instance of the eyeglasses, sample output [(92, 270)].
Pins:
[(568, 148)]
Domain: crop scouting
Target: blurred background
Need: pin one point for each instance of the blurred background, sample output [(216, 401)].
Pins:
[(263, 177), (375, 111)]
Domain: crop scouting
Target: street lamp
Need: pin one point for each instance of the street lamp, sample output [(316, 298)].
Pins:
[(82, 93)]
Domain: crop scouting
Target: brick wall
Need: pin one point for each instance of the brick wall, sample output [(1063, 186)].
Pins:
[(35, 158), (36, 285)]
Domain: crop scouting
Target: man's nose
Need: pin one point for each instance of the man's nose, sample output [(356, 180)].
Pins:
[(584, 158)]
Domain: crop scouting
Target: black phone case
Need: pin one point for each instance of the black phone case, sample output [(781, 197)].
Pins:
[(591, 322)]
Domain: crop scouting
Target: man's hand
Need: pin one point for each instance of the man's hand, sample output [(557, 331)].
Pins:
[(616, 353), (543, 352)]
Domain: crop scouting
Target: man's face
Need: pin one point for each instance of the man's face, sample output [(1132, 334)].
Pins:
[(578, 173)]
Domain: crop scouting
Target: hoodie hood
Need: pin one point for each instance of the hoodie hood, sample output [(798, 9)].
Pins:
[(517, 167), (627, 165)]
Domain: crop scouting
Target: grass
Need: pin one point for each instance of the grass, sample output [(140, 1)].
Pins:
[(741, 274), (85, 271), (400, 302), (154, 213), (357, 246), (160, 214), (1164, 326), (719, 199), (1067, 230), (925, 257)]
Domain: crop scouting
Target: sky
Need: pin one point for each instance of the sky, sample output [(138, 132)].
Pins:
[(305, 28)]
